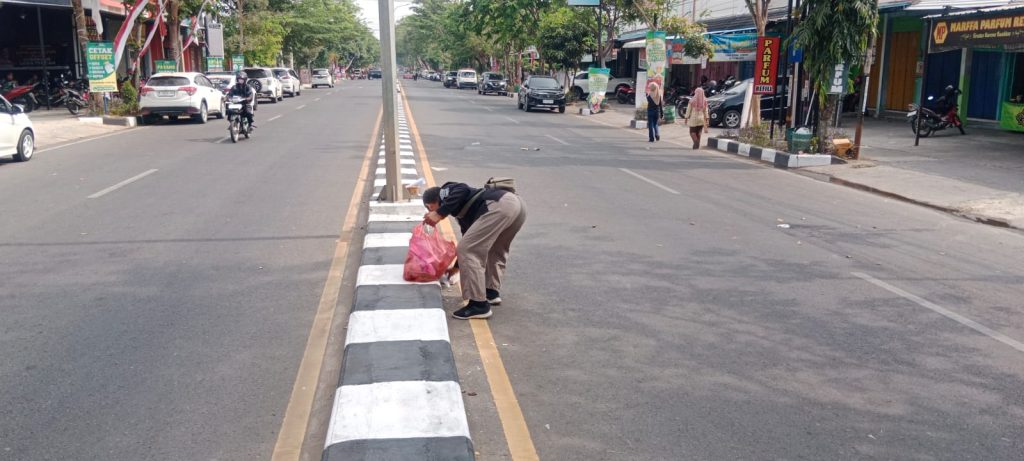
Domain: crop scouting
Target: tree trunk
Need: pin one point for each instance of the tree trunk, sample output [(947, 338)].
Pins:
[(174, 30), (83, 35)]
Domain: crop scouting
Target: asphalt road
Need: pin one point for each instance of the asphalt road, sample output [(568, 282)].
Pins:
[(655, 309), (166, 319)]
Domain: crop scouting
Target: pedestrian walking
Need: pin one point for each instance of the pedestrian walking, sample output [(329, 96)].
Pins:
[(490, 218), (654, 101), (697, 116)]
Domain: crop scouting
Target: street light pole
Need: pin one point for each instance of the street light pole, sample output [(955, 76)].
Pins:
[(393, 190)]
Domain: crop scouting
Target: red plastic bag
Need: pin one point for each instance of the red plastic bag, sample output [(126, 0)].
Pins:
[(429, 255)]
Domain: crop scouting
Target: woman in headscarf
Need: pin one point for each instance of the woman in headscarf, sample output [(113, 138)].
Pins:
[(653, 111), (697, 116)]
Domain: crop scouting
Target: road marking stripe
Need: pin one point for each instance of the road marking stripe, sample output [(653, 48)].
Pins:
[(300, 107), (513, 423), (123, 183), (1019, 346), (512, 120), (317, 99), (381, 410), (107, 135), (559, 140), (397, 325), (488, 109), (271, 119), (300, 405), (385, 274), (650, 181), (387, 239)]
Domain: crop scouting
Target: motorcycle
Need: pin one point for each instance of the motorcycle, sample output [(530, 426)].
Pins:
[(625, 95), (238, 123), (678, 96), (74, 100), (22, 95), (932, 120)]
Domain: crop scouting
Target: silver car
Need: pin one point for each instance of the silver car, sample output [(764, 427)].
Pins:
[(322, 77), (290, 82), (262, 80)]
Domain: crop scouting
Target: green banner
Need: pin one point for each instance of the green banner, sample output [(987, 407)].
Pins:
[(1011, 116), (215, 64), (166, 65), (99, 58), (237, 62), (597, 79), (657, 57)]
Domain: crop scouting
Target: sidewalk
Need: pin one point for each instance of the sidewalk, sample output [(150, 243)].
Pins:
[(979, 176), (57, 126)]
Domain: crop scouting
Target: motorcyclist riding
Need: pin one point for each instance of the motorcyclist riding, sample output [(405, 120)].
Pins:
[(243, 89), (947, 101)]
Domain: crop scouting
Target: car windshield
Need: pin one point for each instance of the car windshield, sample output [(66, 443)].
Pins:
[(280, 73), (467, 74), (451, 74), (737, 89), (168, 81), (544, 83), (256, 73), (496, 77), (221, 81), (322, 72)]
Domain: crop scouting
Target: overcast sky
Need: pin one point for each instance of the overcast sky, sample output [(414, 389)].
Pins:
[(403, 8)]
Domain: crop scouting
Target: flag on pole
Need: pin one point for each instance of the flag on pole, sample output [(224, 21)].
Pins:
[(126, 27)]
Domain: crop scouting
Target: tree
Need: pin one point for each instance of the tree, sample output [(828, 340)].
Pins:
[(567, 34), (830, 33), (759, 11)]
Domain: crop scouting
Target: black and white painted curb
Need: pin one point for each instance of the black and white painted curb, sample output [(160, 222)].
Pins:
[(399, 396), (775, 157)]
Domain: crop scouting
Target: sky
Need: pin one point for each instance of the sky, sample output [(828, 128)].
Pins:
[(403, 8)]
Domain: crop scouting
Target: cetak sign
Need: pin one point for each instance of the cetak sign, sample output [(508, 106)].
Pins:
[(99, 59), (766, 65)]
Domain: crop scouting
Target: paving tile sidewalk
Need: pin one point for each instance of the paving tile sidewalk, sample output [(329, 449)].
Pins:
[(979, 176), (57, 126)]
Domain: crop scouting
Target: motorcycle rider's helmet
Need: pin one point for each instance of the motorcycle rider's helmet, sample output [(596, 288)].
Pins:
[(240, 78)]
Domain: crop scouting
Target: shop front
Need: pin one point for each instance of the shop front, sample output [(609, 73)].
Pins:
[(991, 44)]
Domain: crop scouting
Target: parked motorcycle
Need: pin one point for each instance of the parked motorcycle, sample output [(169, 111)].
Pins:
[(22, 95), (936, 120), (626, 95), (238, 123)]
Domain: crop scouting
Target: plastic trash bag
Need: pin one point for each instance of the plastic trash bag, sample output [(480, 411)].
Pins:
[(430, 255)]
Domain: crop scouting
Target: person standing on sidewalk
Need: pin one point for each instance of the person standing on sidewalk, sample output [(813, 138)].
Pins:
[(490, 219), (653, 111), (697, 116)]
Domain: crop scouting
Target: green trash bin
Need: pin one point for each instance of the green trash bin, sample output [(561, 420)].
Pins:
[(799, 140), (670, 114)]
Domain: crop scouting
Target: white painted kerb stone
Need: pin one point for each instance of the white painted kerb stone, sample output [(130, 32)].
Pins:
[(381, 240), (384, 274), (397, 325), (397, 409)]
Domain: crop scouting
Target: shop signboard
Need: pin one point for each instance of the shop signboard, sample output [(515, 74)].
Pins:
[(1011, 117), (215, 64), (736, 47), (837, 85), (977, 31), (237, 62), (166, 65), (597, 79), (99, 58), (767, 65), (657, 58)]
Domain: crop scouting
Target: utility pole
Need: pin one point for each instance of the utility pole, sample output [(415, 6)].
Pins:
[(393, 190), (600, 45)]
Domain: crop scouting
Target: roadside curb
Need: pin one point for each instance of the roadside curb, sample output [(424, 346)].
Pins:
[(772, 156), (398, 397)]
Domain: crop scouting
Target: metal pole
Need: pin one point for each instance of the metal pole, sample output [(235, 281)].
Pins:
[(42, 51), (865, 82), (924, 73), (600, 46), (393, 190)]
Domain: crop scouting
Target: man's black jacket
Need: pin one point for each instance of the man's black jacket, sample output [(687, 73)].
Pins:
[(455, 195)]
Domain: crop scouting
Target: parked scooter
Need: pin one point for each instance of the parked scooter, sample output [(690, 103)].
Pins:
[(937, 120), (626, 94), (22, 95)]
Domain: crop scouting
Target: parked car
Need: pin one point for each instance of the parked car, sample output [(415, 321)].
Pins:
[(493, 82), (726, 108), (322, 77), (266, 85), (450, 79), (17, 137), (466, 79), (290, 82), (356, 74), (222, 80), (175, 94), (581, 89), (542, 92), (374, 73)]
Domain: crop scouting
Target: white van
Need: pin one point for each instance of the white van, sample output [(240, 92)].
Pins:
[(466, 79)]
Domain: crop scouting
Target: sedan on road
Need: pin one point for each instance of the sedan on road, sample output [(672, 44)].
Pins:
[(542, 92), (493, 82), (290, 83), (180, 93), (17, 137), (322, 77)]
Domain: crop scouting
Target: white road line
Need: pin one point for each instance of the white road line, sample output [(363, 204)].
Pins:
[(556, 139), (122, 184), (317, 99), (397, 410), (386, 274), (650, 181), (488, 109), (223, 140), (397, 325), (512, 120), (271, 119), (944, 312), (300, 107), (386, 239)]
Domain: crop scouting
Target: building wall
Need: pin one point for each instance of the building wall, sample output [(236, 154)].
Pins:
[(712, 9)]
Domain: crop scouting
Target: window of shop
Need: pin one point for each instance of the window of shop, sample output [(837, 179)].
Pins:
[(20, 51), (1016, 93)]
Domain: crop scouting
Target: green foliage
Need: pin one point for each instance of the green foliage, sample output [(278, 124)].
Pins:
[(833, 32), (129, 99), (566, 34)]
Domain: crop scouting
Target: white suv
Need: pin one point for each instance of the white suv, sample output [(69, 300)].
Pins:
[(180, 93), (581, 87), (265, 83), (289, 81), (322, 77), (17, 136), (466, 79)]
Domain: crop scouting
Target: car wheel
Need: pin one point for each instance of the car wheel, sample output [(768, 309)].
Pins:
[(223, 110), (280, 95), (149, 119), (526, 106), (203, 115), (26, 146), (520, 104), (273, 99), (561, 109), (578, 92), (731, 119)]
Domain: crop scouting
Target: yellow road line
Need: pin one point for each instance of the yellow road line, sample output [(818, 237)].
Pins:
[(300, 405), (517, 434)]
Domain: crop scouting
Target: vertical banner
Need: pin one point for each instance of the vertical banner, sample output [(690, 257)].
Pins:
[(215, 64), (657, 57), (99, 58), (166, 65), (597, 79), (237, 62), (838, 81), (766, 65), (641, 90)]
